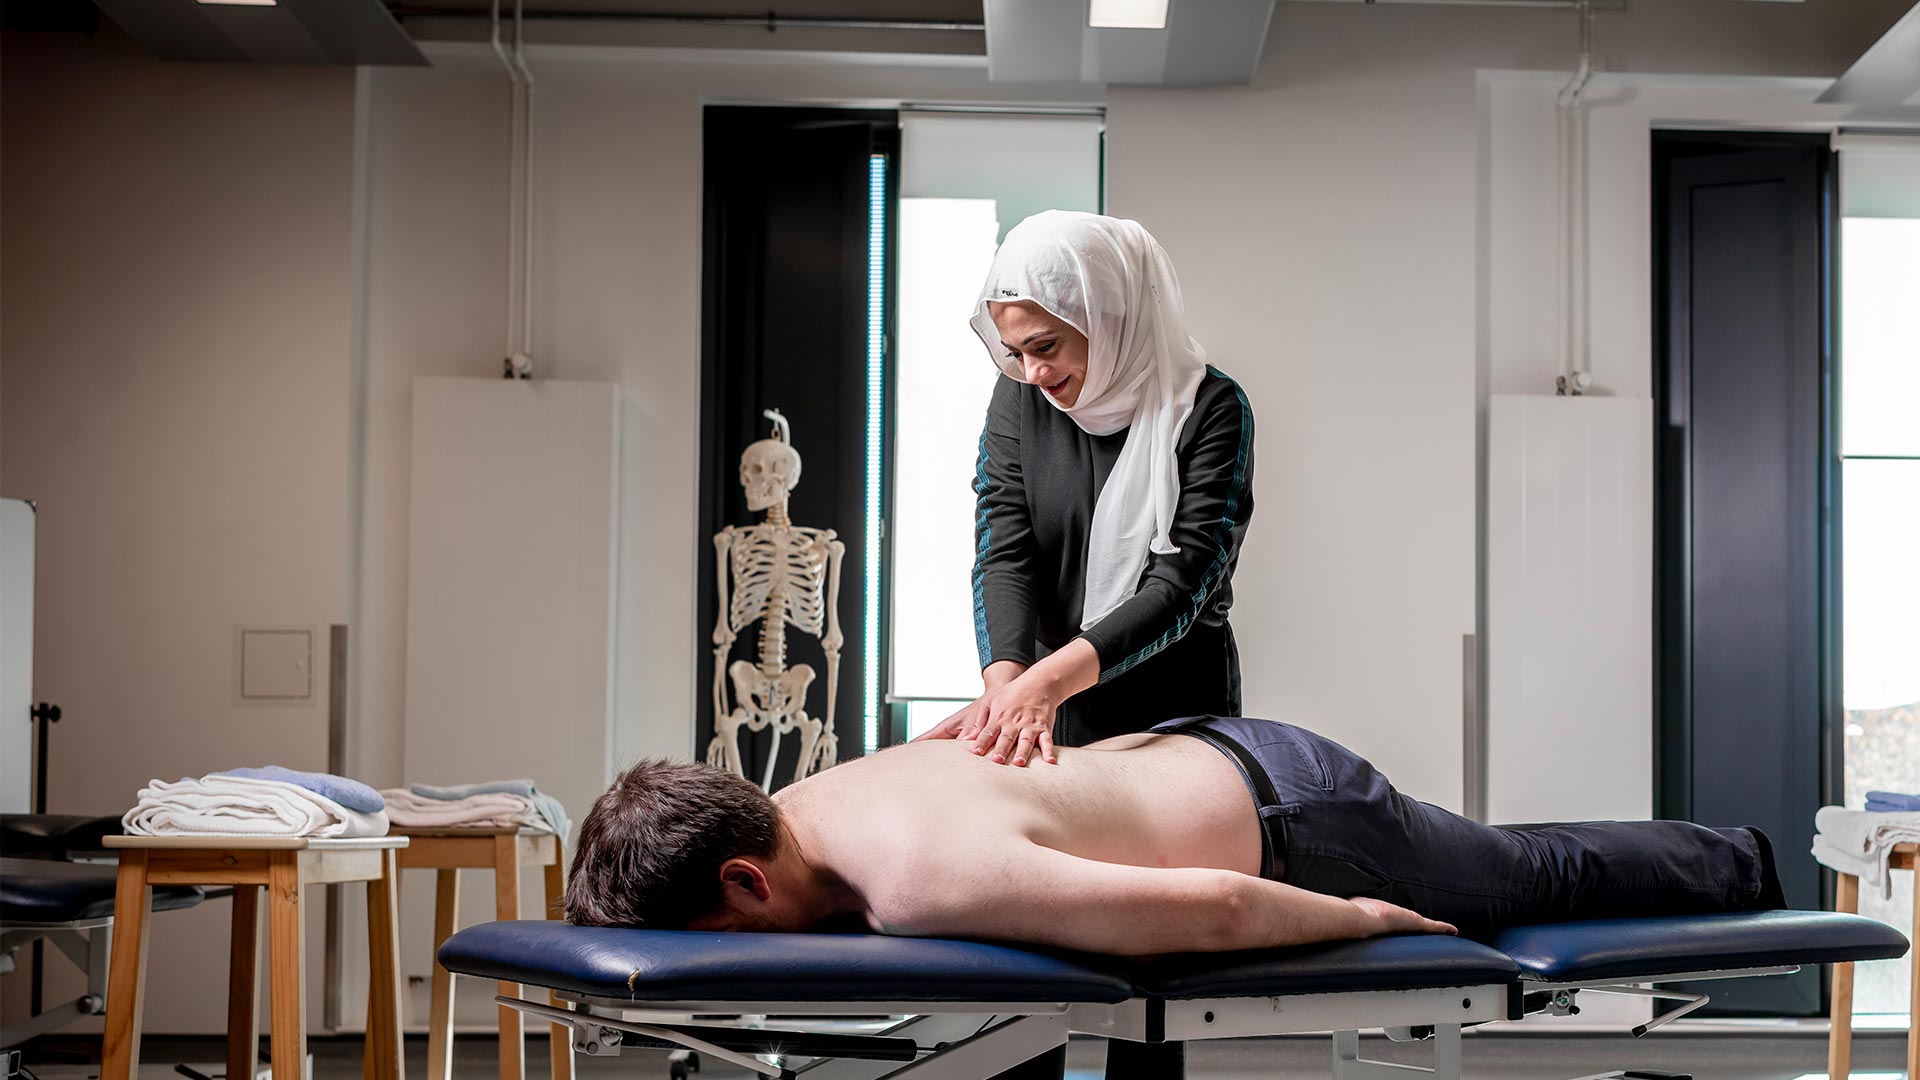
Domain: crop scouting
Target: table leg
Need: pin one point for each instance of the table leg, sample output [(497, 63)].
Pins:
[(1840, 1023), (382, 1059), (506, 905), (1913, 965), (243, 984), (560, 1044), (446, 915), (127, 977), (286, 961)]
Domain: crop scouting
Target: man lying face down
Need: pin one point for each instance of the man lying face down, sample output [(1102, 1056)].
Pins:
[(1204, 834)]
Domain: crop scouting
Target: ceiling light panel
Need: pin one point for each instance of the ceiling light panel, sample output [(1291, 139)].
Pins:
[(1128, 14)]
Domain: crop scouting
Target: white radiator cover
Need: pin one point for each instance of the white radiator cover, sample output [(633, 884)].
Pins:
[(512, 584), (1569, 608), (522, 523)]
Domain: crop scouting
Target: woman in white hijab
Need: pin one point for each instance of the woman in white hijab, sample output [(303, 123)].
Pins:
[(1115, 486)]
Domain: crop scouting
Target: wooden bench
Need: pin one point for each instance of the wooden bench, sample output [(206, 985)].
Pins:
[(503, 851), (285, 866), (1840, 1031)]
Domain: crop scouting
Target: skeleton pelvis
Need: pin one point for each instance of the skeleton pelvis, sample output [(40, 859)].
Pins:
[(765, 699)]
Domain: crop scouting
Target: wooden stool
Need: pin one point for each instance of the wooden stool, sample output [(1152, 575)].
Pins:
[(503, 851), (1840, 1030), (285, 865)]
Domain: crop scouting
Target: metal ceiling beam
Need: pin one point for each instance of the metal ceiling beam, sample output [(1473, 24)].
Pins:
[(767, 22), (287, 32), (1888, 73)]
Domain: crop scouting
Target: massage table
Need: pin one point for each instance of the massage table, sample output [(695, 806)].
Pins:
[(960, 1010), (56, 886), (69, 904)]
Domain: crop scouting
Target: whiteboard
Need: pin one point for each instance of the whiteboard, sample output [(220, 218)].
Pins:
[(16, 655)]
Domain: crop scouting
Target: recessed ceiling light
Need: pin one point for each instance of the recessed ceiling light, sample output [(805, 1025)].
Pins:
[(242, 3), (1125, 14)]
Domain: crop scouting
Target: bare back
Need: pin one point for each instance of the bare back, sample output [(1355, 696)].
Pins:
[(1139, 800)]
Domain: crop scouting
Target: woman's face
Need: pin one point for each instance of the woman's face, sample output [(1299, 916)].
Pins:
[(1038, 348)]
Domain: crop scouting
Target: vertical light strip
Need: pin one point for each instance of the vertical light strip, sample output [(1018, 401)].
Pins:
[(876, 376)]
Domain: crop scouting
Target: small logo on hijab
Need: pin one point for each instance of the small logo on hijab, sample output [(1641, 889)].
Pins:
[(1009, 292)]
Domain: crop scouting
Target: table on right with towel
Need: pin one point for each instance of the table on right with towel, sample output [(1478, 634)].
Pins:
[(1840, 1033)]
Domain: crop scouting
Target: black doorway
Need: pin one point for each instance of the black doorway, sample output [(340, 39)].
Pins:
[(785, 293), (1746, 668)]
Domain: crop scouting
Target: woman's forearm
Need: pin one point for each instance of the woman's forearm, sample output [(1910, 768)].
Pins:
[(1072, 668), (1001, 672)]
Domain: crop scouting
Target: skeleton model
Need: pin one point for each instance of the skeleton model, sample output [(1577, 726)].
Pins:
[(781, 575)]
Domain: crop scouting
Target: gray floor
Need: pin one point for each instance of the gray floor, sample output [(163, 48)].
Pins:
[(1715, 1056)]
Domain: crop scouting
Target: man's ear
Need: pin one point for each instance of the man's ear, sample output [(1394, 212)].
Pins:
[(746, 877)]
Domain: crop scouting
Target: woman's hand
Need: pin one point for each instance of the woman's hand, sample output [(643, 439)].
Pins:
[(1384, 918), (1010, 723), (998, 674), (1014, 718), (1020, 724)]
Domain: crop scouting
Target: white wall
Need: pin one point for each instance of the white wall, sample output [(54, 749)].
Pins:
[(175, 282), (1345, 291), (1519, 344), (617, 297), (1389, 262)]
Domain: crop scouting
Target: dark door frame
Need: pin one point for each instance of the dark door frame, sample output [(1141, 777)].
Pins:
[(1674, 760), (740, 287)]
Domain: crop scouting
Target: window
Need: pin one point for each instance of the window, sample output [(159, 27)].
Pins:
[(966, 178), (1880, 510)]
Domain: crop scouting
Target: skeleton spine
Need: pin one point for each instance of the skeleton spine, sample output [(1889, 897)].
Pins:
[(773, 636)]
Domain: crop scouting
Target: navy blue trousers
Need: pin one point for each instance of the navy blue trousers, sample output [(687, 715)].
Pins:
[(1334, 825)]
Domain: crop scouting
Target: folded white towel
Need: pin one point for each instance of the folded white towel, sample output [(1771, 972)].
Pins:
[(1858, 842), (238, 806), (493, 810)]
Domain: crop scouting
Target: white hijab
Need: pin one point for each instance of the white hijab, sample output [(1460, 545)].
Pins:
[(1109, 279)]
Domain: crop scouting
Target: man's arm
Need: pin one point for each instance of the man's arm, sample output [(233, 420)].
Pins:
[(1046, 897)]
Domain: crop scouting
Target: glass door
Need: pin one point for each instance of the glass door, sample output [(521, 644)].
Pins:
[(1879, 323)]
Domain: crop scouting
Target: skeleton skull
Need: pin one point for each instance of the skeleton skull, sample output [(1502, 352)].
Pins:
[(769, 470)]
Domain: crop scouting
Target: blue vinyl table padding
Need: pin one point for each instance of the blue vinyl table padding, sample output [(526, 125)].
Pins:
[(44, 891), (685, 965), (55, 836), (679, 965), (1415, 962), (1683, 944)]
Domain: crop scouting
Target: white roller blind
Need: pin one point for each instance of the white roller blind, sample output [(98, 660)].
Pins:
[(1025, 163), (1879, 175)]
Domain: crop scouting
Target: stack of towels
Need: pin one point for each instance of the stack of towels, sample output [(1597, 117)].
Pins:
[(265, 801), (495, 804), (1858, 842)]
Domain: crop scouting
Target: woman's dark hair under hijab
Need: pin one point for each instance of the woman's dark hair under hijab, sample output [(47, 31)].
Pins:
[(650, 850)]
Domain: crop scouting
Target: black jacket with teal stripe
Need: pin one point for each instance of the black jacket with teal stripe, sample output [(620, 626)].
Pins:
[(1037, 481)]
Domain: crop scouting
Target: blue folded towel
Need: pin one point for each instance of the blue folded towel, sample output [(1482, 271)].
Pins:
[(351, 794), (1892, 802), (545, 805)]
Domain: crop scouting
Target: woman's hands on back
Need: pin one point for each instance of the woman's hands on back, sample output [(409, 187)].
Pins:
[(1013, 719)]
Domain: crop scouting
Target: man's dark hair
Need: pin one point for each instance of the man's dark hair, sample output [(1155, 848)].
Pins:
[(650, 849)]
